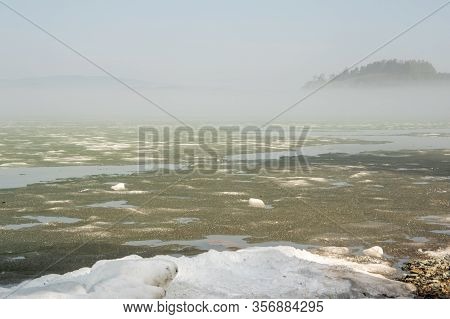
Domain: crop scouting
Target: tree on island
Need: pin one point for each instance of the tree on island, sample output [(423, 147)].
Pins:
[(385, 71)]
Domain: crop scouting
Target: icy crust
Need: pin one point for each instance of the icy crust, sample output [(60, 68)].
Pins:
[(129, 277), (260, 272)]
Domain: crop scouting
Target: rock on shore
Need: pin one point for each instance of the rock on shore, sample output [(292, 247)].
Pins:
[(430, 274)]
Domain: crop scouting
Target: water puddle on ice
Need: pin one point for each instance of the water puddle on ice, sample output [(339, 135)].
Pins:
[(341, 184), (19, 226), (444, 232), (112, 204), (15, 177), (438, 220), (418, 239), (372, 141), (53, 219), (185, 220), (216, 242), (41, 220)]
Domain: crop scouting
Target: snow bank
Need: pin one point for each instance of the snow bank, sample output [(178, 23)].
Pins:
[(280, 272), (259, 272), (129, 277)]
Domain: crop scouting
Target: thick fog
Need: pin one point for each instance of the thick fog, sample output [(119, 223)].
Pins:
[(225, 61), (112, 102)]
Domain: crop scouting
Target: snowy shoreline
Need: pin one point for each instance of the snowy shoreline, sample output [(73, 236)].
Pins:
[(257, 272)]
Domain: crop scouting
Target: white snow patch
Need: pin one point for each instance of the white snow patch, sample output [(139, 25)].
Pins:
[(318, 179), (14, 164), (259, 272), (136, 192), (50, 202), (280, 272), (232, 193), (360, 174), (17, 258), (55, 208), (129, 277), (375, 251), (254, 202), (297, 182), (441, 253), (118, 187)]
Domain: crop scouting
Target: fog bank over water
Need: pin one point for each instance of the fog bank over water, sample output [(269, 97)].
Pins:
[(101, 99), (226, 61)]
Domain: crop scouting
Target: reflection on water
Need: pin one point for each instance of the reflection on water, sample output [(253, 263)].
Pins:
[(373, 141), (14, 177), (377, 140)]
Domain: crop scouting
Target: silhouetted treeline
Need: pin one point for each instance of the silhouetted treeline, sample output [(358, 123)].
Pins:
[(385, 71)]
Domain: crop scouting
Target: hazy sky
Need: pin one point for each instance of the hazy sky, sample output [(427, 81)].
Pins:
[(205, 54)]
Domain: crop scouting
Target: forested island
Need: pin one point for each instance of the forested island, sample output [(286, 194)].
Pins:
[(384, 72)]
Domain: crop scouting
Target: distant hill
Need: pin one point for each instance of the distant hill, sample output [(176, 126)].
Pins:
[(385, 73), (68, 81)]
